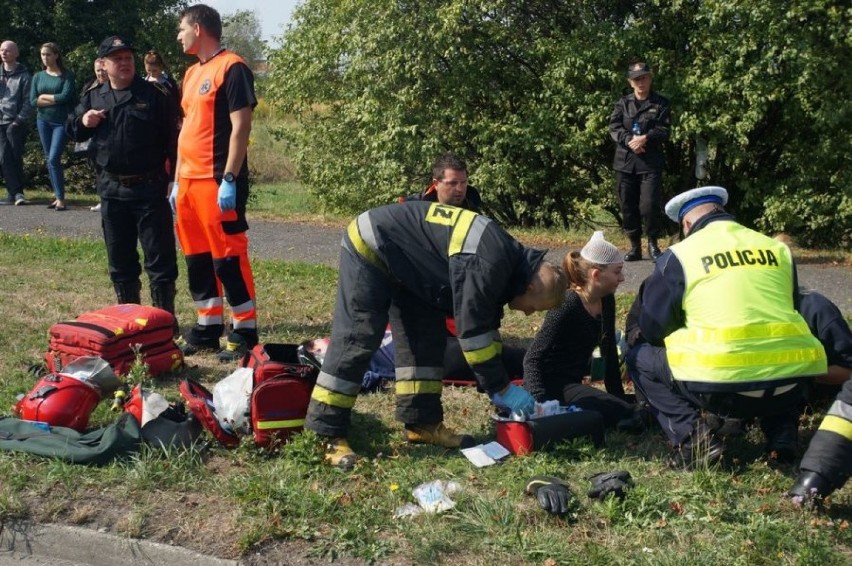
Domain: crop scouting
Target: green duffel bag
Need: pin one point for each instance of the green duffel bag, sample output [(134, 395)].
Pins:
[(96, 447)]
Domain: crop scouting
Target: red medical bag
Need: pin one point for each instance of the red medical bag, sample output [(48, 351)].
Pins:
[(115, 333)]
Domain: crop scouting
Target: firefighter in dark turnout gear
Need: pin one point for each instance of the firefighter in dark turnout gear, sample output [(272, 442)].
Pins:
[(639, 126), (134, 127), (413, 263), (827, 463), (724, 303)]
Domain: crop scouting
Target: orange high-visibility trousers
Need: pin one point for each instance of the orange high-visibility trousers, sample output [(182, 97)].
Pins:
[(215, 245)]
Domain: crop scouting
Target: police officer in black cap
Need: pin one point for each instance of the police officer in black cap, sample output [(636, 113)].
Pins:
[(135, 128), (639, 125)]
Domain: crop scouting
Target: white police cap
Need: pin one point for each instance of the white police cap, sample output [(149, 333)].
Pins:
[(679, 205), (599, 251)]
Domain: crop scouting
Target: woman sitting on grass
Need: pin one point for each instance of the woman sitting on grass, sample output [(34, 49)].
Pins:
[(560, 354)]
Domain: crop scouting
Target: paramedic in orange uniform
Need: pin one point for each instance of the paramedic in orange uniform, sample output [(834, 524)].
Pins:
[(211, 186)]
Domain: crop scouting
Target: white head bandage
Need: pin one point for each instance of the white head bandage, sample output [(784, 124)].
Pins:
[(599, 251)]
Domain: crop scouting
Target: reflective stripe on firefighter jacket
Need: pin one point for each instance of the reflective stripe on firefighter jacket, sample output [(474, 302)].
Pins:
[(830, 450)]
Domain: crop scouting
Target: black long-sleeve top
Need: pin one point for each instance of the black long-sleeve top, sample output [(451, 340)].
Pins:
[(654, 118), (562, 349), (139, 132)]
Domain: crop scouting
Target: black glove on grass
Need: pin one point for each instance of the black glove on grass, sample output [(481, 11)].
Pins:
[(605, 483), (554, 495)]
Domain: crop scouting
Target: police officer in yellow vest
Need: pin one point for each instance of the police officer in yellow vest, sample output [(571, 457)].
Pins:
[(724, 304)]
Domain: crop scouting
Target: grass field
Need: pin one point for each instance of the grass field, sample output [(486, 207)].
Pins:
[(288, 505)]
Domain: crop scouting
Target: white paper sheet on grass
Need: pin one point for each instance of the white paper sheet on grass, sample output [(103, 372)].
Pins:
[(485, 454)]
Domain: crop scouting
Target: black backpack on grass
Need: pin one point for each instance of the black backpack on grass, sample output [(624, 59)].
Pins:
[(96, 447)]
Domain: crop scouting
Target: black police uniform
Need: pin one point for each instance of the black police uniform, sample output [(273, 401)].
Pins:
[(640, 176), (131, 146)]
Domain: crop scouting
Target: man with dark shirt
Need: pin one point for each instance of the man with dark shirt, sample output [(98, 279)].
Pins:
[(449, 185), (15, 110), (135, 132)]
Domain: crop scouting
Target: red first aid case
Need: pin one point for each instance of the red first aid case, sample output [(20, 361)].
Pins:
[(115, 334), (199, 401), (524, 437)]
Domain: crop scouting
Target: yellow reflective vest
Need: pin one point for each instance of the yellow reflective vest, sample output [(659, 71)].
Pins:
[(741, 325)]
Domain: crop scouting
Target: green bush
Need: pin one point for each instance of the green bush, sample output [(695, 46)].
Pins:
[(524, 90)]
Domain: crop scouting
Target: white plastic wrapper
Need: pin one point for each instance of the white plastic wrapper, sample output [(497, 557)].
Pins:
[(231, 398), (432, 497)]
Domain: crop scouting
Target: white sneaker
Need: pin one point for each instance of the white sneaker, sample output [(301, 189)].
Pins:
[(19, 199), (96, 208)]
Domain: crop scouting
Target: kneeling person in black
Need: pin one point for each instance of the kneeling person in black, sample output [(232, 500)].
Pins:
[(134, 127)]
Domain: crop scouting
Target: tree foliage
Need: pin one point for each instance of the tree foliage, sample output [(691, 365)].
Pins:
[(241, 34), (523, 90), (78, 27)]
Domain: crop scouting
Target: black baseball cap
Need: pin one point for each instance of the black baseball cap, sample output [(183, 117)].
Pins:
[(636, 70), (112, 44)]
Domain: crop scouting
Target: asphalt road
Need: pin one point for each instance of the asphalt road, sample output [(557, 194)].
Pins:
[(316, 243)]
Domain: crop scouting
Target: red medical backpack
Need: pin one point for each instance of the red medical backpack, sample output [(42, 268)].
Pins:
[(279, 400)]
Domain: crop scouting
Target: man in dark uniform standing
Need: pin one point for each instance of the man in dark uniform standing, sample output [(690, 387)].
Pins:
[(135, 131), (413, 264), (639, 126)]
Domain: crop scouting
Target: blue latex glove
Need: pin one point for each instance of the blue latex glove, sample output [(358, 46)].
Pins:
[(227, 195), (515, 399), (173, 193)]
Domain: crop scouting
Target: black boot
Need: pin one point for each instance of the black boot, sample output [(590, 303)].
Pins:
[(635, 253), (653, 249), (810, 487), (200, 338), (701, 450), (782, 440), (163, 297), (239, 342), (128, 292)]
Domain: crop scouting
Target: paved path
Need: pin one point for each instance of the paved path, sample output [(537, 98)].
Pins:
[(30, 544), (317, 243)]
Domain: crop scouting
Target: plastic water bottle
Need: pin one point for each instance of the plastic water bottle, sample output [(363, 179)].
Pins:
[(637, 129)]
